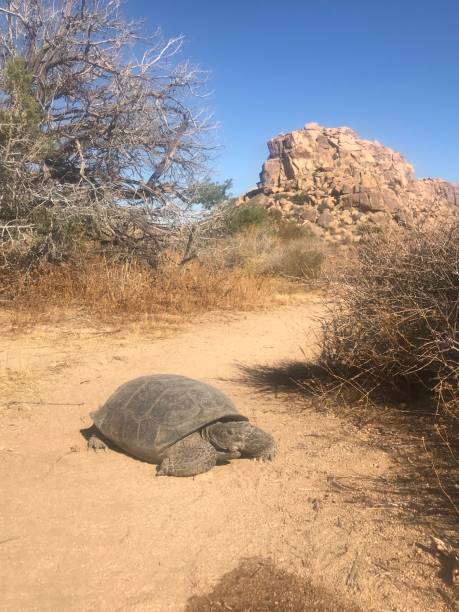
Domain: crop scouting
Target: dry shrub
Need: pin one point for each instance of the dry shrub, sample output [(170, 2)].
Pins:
[(264, 252), (393, 335), (106, 288), (390, 356), (297, 259), (394, 329)]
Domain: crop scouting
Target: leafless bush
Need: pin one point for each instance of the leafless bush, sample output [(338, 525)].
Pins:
[(394, 327), (393, 335), (389, 356), (101, 130)]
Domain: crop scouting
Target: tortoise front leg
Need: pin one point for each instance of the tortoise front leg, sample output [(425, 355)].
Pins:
[(188, 457)]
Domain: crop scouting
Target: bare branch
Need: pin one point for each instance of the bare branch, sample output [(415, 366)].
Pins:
[(110, 132)]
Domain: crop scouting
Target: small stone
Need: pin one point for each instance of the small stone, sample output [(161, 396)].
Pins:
[(346, 217), (309, 214), (325, 219)]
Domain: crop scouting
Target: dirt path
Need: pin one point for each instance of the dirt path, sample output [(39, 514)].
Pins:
[(85, 531)]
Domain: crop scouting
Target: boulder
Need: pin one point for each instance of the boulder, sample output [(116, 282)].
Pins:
[(325, 219), (333, 169)]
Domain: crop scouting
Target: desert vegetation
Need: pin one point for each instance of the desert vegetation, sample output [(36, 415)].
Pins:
[(111, 214), (391, 338), (263, 243), (389, 355), (394, 329), (105, 290), (95, 144), (212, 269), (106, 201)]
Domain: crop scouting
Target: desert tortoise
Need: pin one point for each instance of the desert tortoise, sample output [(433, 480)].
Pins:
[(183, 425)]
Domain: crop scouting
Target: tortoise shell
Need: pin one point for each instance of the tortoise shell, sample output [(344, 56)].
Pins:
[(148, 414)]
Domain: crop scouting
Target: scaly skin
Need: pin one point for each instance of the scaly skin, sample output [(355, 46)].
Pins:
[(241, 437), (96, 443), (200, 451), (188, 457)]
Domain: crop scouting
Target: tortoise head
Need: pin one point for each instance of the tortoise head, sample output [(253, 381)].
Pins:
[(241, 437)]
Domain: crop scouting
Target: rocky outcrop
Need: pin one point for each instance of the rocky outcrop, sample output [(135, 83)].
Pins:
[(337, 184)]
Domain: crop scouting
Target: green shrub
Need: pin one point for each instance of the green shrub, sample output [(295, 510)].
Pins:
[(20, 113), (239, 218), (300, 198), (280, 196), (23, 144), (210, 194)]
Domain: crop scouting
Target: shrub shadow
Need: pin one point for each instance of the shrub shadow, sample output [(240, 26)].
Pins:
[(257, 585), (406, 427)]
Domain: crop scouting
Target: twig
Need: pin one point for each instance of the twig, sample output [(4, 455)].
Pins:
[(9, 540), (352, 575), (107, 332), (437, 475)]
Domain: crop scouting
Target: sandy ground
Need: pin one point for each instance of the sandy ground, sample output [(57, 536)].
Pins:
[(86, 531)]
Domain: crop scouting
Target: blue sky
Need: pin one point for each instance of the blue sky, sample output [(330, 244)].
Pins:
[(388, 69)]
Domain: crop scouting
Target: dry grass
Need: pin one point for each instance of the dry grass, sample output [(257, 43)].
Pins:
[(298, 259), (246, 270), (263, 251), (108, 289)]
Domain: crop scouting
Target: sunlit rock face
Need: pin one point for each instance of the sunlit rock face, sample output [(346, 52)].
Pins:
[(338, 183)]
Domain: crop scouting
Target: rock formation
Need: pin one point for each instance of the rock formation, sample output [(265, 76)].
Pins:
[(339, 184)]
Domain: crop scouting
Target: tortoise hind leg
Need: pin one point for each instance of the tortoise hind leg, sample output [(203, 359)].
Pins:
[(188, 457), (95, 443), (94, 439)]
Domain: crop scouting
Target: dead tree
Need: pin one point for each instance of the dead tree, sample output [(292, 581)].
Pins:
[(101, 128)]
